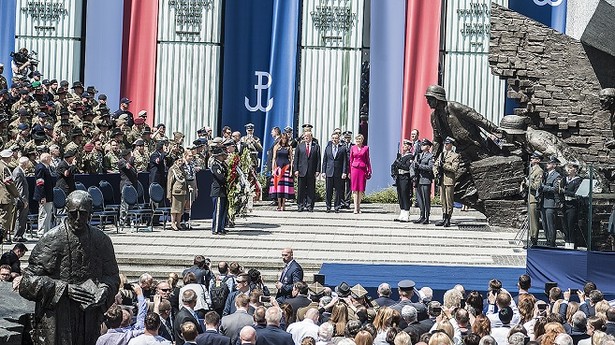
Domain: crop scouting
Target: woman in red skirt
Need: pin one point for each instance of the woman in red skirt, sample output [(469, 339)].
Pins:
[(283, 186)]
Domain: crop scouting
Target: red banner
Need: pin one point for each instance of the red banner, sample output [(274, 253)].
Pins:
[(139, 55), (421, 58)]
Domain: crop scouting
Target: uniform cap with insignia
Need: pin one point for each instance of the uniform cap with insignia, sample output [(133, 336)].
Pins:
[(64, 111), (77, 84), (537, 155), (41, 114), (92, 90), (86, 95), (358, 291), (307, 126), (53, 81), (125, 100), (139, 121), (316, 288), (69, 153), (406, 285), (217, 141), (46, 82), (553, 160), (288, 129), (22, 112), (426, 142), (143, 113), (249, 126), (197, 143), (343, 289), (88, 147), (138, 142), (61, 91), (39, 136), (146, 130), (123, 117), (64, 83), (36, 84), (22, 126), (218, 151), (6, 153), (449, 140), (347, 133), (102, 97), (37, 74)]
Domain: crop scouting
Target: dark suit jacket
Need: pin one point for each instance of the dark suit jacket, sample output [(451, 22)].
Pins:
[(385, 301), (203, 276), (218, 183), (335, 166), (164, 332), (304, 164), (157, 168), (182, 316), (229, 306), (297, 302), (292, 275), (43, 187), (66, 177), (550, 190), (210, 337), (272, 335)]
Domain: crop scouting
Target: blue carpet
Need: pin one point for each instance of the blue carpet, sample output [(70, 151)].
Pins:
[(439, 278)]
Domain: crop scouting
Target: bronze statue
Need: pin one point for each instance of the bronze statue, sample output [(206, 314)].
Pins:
[(607, 102), (473, 134), (72, 276)]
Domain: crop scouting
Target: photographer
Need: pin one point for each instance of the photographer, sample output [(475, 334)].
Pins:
[(23, 63)]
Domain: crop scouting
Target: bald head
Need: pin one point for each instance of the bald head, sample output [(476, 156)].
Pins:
[(287, 255), (312, 314), (248, 335), (45, 158)]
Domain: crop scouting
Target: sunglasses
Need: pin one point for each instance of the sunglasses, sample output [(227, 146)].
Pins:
[(165, 290)]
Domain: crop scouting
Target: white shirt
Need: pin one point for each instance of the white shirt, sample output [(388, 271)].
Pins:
[(302, 329), (146, 339)]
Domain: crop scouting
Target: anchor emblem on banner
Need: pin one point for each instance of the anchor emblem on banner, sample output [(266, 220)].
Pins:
[(553, 3), (259, 87)]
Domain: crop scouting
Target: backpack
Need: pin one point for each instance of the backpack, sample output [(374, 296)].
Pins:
[(219, 292)]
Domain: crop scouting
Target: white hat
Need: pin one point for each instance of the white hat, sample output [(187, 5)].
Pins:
[(6, 153), (1, 65), (143, 113)]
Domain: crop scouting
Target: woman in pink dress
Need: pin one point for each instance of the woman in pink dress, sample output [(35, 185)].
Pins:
[(360, 171)]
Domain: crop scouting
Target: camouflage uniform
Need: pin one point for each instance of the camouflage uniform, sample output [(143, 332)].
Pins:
[(140, 160), (110, 162), (93, 162)]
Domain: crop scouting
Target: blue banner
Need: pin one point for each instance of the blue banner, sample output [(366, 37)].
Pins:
[(551, 13), (247, 79), (8, 14), (387, 37), (103, 48), (283, 68)]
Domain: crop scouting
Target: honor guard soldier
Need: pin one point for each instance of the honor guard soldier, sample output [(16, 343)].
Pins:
[(112, 158), (424, 173), (402, 170), (92, 160), (445, 169), (253, 144), (141, 158), (532, 184), (551, 200), (219, 171)]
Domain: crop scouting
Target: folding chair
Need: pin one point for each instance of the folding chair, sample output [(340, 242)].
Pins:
[(109, 196), (158, 203), (98, 209), (80, 186), (59, 202), (137, 216)]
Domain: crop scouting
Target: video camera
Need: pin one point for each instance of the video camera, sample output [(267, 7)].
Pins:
[(21, 58)]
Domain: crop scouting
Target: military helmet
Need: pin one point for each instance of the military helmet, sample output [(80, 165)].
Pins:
[(79, 200), (513, 124), (437, 92)]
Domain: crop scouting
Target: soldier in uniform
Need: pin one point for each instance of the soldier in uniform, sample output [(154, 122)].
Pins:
[(532, 184), (141, 159), (218, 190), (253, 144), (158, 134), (111, 158), (551, 201), (424, 173), (3, 83), (118, 136), (402, 170), (22, 117), (75, 145), (149, 143), (200, 156), (6, 198), (445, 169), (137, 130), (92, 160)]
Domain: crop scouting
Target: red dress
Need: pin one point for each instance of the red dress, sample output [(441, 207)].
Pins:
[(360, 167)]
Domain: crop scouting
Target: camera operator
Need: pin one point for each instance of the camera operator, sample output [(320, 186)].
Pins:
[(22, 63)]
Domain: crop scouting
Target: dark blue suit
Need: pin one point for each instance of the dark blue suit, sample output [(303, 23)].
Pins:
[(273, 335), (333, 167), (211, 337), (306, 166), (229, 306), (182, 316), (43, 187), (157, 169), (290, 276)]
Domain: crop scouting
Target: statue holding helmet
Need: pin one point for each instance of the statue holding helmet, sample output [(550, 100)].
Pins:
[(73, 277)]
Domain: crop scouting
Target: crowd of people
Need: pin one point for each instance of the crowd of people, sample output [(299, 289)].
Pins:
[(235, 306)]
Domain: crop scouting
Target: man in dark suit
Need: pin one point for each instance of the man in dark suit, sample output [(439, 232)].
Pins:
[(66, 172), (201, 270), (384, 296), (211, 336), (306, 166), (273, 334), (610, 321), (299, 299), (185, 314), (292, 273), (242, 286), (21, 183), (247, 335), (424, 173), (128, 176), (157, 167), (335, 169), (43, 193), (348, 143), (551, 201)]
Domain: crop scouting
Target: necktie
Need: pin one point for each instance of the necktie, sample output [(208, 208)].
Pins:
[(307, 149), (334, 151), (284, 272)]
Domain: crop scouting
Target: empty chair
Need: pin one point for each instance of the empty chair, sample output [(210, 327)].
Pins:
[(158, 203), (80, 186), (98, 209), (59, 202), (109, 195), (139, 217)]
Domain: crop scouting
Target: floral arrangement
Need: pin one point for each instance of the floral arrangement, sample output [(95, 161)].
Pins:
[(240, 191)]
